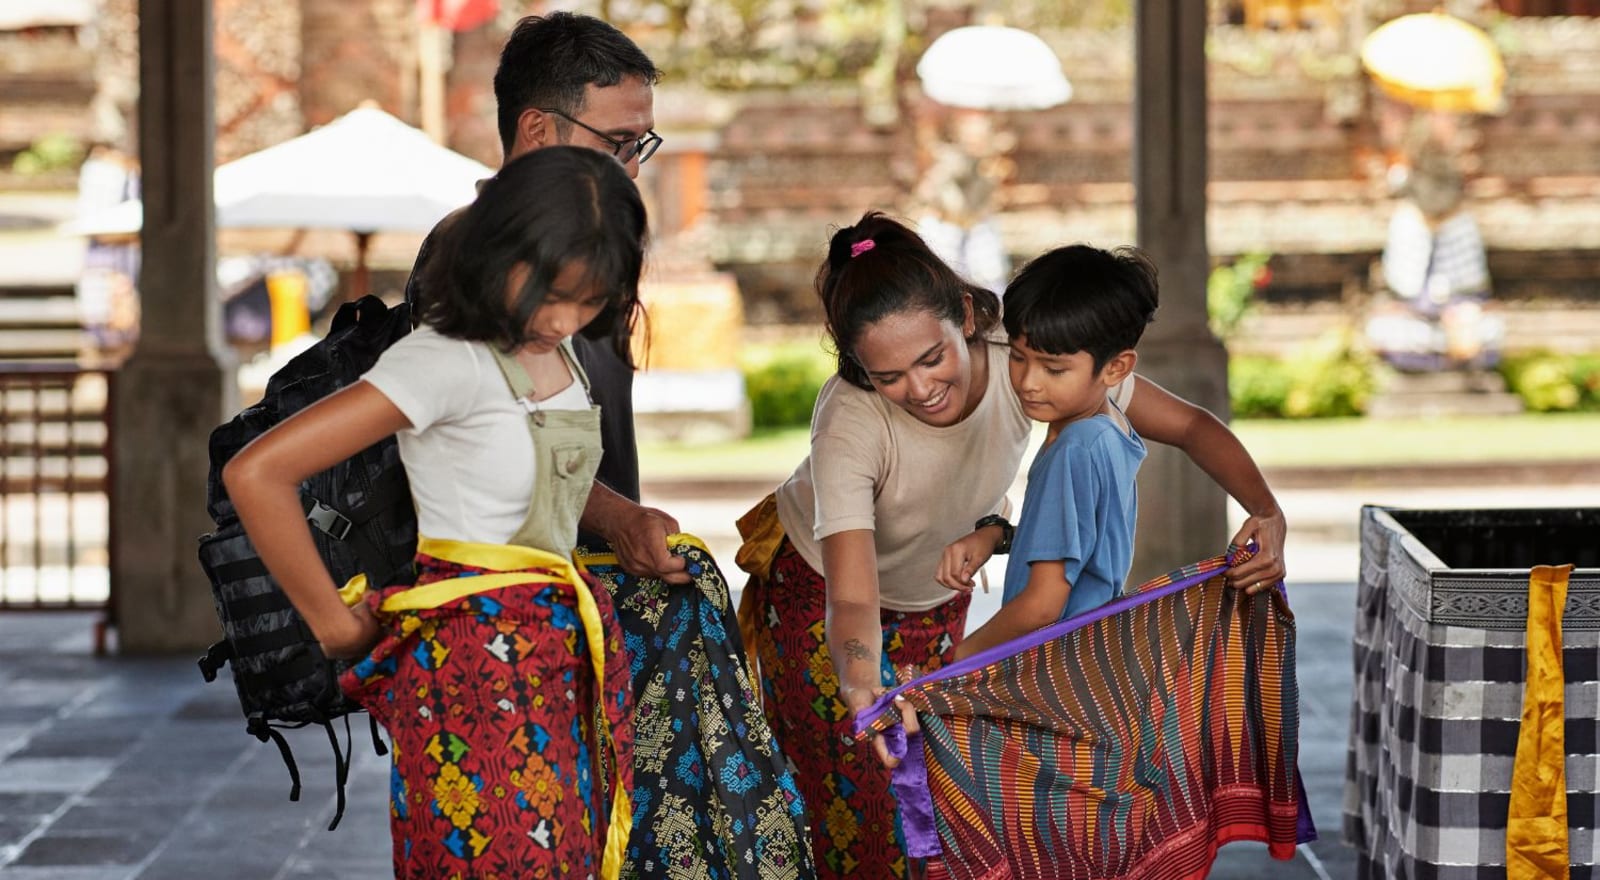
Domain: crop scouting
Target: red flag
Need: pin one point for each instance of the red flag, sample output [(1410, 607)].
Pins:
[(458, 15)]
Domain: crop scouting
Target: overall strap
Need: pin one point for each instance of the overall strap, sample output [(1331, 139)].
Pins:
[(512, 369), (517, 376), (577, 369)]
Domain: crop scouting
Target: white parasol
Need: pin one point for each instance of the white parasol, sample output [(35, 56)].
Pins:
[(987, 67), (366, 172)]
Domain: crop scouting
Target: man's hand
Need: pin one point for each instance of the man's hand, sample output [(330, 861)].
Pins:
[(964, 556), (1265, 569), (640, 542), (637, 534)]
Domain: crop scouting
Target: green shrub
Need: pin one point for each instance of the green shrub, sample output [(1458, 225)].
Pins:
[(1586, 375), (1230, 291), (53, 152), (1327, 379), (782, 383), (1330, 378), (1257, 387), (1549, 382)]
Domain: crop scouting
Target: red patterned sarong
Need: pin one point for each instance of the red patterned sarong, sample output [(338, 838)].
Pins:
[(507, 754), (849, 804)]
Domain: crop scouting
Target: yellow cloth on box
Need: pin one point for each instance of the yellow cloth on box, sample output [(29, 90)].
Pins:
[(1536, 825), (508, 563)]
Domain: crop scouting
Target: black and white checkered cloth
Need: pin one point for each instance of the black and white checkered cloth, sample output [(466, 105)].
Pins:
[(1430, 266), (1437, 703)]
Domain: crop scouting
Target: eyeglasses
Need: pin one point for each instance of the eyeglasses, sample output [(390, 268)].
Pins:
[(643, 147)]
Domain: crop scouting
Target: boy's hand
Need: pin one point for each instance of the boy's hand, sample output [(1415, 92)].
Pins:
[(963, 558), (1265, 569)]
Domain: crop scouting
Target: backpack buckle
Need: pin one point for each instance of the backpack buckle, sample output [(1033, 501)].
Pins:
[(333, 523)]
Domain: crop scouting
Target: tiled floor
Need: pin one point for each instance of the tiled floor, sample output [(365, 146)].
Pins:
[(135, 769)]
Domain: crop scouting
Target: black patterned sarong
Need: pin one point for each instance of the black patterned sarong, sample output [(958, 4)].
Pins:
[(713, 796)]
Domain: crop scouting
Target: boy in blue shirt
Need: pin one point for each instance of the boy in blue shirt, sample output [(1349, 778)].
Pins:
[(1074, 316)]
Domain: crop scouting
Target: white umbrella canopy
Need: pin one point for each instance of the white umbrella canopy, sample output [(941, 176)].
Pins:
[(366, 172), (988, 67)]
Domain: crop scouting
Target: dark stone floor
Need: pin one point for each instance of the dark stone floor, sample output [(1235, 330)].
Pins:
[(135, 769)]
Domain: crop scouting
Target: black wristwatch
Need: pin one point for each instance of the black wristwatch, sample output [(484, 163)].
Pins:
[(1006, 531)]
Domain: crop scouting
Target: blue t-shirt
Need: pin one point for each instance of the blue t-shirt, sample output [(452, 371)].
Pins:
[(1080, 508)]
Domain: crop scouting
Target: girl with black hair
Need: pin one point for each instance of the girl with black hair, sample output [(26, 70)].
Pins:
[(914, 444), (500, 674)]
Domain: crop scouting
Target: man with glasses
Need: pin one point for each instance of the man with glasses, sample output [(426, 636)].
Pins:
[(573, 79), (631, 151)]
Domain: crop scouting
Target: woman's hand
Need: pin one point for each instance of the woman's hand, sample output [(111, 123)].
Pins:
[(355, 638), (963, 557), (861, 699), (1265, 569)]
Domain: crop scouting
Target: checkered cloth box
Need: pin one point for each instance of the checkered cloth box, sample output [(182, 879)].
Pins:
[(1439, 666)]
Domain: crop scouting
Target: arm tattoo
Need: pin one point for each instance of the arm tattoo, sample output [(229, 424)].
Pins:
[(855, 650)]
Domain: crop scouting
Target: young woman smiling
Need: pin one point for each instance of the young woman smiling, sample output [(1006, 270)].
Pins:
[(915, 440)]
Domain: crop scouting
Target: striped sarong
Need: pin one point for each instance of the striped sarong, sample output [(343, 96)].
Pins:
[(1129, 742)]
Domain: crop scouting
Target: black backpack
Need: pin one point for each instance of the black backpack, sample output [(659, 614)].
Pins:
[(362, 519)]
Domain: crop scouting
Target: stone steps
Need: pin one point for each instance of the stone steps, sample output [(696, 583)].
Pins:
[(1279, 331), (1444, 393)]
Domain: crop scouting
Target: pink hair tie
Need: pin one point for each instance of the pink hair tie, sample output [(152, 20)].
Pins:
[(861, 247)]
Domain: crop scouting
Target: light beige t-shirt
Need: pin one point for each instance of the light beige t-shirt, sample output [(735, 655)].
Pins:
[(917, 487)]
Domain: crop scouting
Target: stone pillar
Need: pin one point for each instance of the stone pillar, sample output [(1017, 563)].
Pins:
[(1182, 513), (177, 386)]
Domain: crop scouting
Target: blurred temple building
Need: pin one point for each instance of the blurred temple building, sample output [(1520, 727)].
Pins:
[(787, 120)]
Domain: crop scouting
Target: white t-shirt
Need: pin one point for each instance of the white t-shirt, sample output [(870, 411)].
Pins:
[(468, 453), (917, 487)]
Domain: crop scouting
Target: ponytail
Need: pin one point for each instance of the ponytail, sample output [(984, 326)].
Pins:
[(879, 267)]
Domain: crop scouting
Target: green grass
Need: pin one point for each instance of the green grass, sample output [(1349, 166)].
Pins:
[(1342, 442), (766, 453), (1274, 443)]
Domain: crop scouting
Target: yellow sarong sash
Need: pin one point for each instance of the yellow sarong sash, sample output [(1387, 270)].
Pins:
[(585, 560)]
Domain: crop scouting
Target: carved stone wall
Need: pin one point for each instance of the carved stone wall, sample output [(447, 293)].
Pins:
[(1296, 166), (357, 50), (1296, 163), (259, 82)]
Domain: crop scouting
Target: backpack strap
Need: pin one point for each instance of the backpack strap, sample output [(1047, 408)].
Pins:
[(258, 727), (384, 493), (377, 741), (367, 308), (341, 767)]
